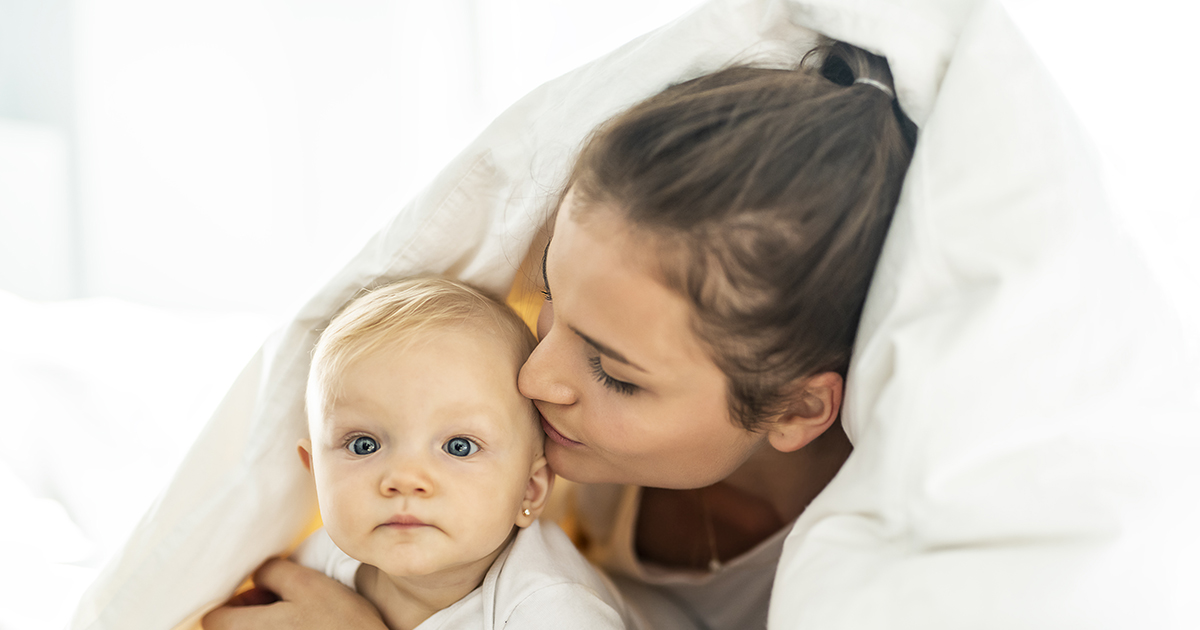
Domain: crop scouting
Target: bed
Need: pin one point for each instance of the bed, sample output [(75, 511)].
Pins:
[(1022, 410)]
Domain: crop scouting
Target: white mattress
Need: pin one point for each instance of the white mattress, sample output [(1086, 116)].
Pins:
[(1022, 416)]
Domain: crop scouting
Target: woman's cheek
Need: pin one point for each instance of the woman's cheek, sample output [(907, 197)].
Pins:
[(613, 418)]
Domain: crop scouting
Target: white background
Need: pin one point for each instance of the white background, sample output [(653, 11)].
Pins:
[(177, 177)]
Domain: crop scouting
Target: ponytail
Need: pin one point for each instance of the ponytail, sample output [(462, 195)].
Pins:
[(852, 67)]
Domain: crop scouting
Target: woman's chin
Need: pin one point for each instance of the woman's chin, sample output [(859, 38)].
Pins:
[(561, 462), (568, 463)]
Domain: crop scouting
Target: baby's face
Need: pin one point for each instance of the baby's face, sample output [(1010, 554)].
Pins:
[(423, 464)]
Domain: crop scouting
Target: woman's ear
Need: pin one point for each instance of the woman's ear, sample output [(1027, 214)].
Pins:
[(304, 450), (813, 407), (537, 492)]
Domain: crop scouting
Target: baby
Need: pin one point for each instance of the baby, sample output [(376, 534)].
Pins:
[(429, 469)]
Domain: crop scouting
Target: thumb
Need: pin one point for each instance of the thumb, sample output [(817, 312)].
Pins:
[(288, 580)]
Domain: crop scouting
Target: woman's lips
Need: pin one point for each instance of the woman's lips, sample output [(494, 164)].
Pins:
[(554, 435)]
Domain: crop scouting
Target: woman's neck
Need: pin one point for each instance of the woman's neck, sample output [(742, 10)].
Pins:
[(790, 481), (704, 527)]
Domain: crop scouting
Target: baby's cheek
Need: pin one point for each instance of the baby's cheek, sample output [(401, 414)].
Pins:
[(327, 505), (340, 525), (336, 498)]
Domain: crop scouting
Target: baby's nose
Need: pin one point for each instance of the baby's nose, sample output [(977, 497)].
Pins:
[(409, 476)]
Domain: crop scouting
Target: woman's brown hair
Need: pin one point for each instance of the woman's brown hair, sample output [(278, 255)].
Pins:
[(768, 193)]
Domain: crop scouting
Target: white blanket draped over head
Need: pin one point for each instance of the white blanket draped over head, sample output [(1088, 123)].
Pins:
[(1017, 407)]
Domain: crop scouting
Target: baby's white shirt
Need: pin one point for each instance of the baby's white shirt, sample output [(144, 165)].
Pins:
[(539, 582)]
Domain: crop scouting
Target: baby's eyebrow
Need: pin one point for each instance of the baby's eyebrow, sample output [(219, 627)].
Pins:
[(334, 430)]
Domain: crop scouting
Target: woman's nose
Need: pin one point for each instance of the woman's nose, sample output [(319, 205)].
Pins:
[(545, 319), (542, 378)]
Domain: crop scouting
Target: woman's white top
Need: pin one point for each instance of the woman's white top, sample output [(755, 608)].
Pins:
[(734, 597), (540, 582)]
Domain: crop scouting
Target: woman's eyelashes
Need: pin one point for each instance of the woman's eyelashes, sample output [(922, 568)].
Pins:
[(621, 387)]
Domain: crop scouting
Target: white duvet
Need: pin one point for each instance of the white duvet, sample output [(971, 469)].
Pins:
[(1021, 415)]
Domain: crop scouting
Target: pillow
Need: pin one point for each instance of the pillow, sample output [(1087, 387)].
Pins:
[(1018, 402), (1009, 387)]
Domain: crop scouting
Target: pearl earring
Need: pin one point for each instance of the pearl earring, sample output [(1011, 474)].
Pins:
[(525, 512)]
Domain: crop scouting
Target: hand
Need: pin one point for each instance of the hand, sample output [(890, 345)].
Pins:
[(288, 596)]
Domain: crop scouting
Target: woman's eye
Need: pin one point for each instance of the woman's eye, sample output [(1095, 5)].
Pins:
[(363, 445), (621, 387), (460, 447)]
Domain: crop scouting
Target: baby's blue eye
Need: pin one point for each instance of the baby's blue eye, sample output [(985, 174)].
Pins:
[(363, 445), (460, 447)]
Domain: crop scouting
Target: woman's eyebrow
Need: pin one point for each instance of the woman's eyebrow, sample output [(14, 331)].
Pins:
[(601, 348), (607, 351)]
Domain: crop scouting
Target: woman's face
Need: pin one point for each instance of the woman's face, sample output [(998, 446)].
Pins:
[(627, 391)]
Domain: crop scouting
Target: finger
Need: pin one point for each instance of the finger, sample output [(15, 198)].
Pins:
[(287, 579), (253, 597), (246, 618)]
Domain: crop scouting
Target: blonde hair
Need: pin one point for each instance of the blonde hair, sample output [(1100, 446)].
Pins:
[(398, 313)]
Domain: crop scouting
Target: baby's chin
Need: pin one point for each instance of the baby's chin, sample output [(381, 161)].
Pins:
[(405, 563), (408, 564)]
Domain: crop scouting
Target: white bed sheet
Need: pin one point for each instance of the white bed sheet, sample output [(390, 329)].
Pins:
[(1023, 417), (101, 400)]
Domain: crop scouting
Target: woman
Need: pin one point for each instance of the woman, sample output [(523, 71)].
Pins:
[(708, 265)]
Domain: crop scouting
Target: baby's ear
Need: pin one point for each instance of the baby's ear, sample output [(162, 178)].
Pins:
[(537, 492), (304, 449)]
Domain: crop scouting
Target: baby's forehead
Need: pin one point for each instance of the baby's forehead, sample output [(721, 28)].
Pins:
[(487, 332), (467, 406), (480, 329)]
